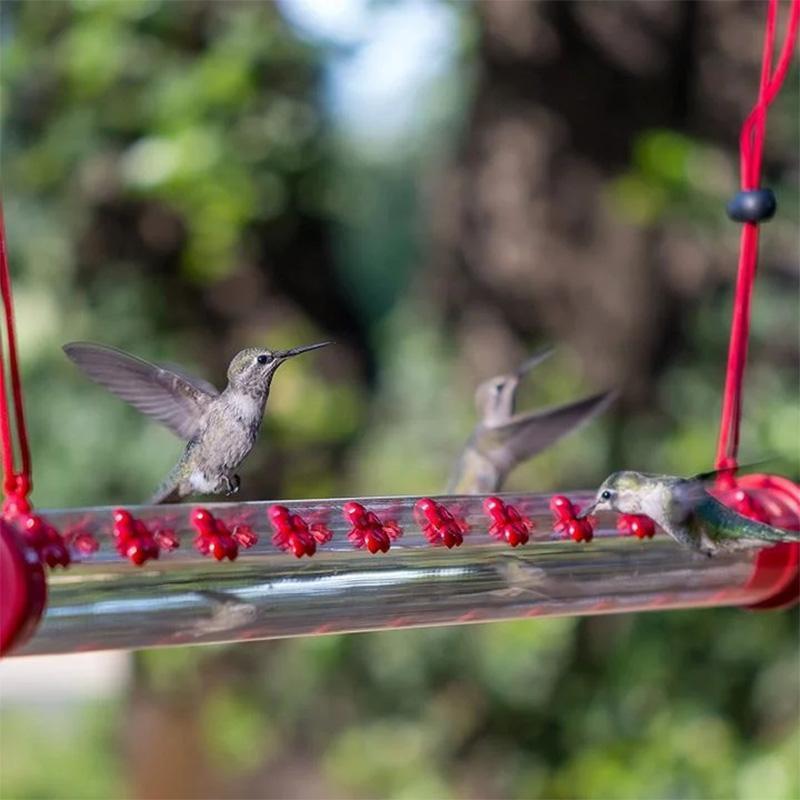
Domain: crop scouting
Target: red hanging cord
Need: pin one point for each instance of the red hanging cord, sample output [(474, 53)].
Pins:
[(16, 484), (752, 147)]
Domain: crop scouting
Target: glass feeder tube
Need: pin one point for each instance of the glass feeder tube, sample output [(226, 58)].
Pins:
[(103, 601)]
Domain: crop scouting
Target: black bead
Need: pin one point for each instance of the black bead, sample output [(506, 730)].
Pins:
[(756, 205)]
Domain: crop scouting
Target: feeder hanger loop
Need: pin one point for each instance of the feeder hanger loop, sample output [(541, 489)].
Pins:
[(751, 206)]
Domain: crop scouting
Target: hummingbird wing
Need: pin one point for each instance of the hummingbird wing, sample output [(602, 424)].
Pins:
[(525, 435), (200, 384), (174, 399), (712, 474)]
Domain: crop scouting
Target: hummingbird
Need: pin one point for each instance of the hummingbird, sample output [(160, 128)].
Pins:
[(502, 439), (686, 511), (219, 428)]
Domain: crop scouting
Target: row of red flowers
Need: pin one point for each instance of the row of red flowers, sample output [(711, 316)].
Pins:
[(140, 542)]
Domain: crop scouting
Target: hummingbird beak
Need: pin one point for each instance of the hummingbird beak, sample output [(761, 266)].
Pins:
[(588, 511), (534, 361), (282, 355)]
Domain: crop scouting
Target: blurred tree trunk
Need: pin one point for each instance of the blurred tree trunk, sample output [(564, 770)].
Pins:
[(530, 238)]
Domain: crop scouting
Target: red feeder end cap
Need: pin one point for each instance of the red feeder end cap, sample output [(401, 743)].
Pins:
[(23, 589)]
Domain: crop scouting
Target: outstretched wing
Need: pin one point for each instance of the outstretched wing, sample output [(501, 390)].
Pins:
[(713, 474), (175, 400), (528, 434)]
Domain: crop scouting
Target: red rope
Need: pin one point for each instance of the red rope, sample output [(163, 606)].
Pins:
[(751, 144), (16, 483)]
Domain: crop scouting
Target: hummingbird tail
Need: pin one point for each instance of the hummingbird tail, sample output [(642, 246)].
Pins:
[(165, 494), (728, 525), (766, 533), (169, 490)]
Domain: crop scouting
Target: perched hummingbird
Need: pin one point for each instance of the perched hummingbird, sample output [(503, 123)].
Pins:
[(686, 511), (220, 428), (503, 439)]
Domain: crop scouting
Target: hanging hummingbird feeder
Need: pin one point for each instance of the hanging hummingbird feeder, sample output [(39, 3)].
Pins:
[(99, 578)]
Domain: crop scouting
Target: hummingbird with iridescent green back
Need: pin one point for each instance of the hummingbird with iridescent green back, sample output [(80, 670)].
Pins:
[(503, 439), (686, 511), (220, 428)]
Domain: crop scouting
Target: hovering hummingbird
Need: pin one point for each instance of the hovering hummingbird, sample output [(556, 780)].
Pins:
[(220, 428), (686, 511), (503, 439)]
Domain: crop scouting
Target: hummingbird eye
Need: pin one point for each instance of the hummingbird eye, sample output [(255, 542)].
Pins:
[(606, 495), (262, 359)]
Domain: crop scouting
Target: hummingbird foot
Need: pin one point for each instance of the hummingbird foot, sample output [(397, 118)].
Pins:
[(232, 484)]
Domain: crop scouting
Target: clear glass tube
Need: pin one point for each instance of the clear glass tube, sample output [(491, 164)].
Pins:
[(102, 601)]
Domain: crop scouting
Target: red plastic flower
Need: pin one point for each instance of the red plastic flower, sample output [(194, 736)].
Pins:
[(567, 521), (438, 524), (508, 525), (166, 539), (82, 541), (50, 545), (294, 534), (245, 536), (637, 525), (213, 537), (132, 538), (368, 530), (45, 539)]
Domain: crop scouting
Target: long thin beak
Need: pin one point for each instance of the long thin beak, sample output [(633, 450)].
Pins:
[(295, 351), (533, 361), (588, 511)]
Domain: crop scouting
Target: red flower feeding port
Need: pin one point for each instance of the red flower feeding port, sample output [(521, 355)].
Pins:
[(156, 575)]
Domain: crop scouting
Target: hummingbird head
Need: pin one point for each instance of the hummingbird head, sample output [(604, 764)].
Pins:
[(625, 492), (252, 369), (495, 398)]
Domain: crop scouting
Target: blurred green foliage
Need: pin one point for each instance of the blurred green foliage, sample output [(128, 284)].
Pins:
[(172, 185), (60, 752)]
